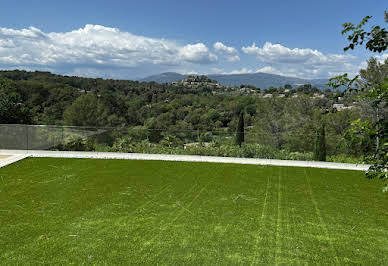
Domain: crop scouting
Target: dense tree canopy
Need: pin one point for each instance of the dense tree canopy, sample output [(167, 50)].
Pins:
[(12, 110)]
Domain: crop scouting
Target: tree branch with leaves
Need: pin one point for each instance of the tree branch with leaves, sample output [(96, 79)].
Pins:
[(375, 40)]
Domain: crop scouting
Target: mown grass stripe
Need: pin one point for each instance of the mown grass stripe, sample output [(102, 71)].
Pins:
[(266, 197), (260, 221), (278, 219), (322, 223)]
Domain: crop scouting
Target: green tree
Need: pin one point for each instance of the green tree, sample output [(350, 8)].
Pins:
[(375, 40), (240, 130), (374, 74), (12, 110), (371, 77), (320, 145), (86, 110)]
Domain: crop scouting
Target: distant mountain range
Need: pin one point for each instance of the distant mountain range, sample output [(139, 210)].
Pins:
[(259, 80)]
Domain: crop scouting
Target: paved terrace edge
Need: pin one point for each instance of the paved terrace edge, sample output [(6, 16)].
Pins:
[(183, 158), (12, 159)]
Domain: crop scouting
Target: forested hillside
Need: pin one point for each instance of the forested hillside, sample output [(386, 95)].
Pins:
[(290, 116), (46, 98)]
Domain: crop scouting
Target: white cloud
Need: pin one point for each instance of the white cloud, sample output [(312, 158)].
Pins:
[(266, 69), (197, 53), (230, 53), (274, 53), (187, 72), (94, 48), (240, 71), (304, 63), (270, 70)]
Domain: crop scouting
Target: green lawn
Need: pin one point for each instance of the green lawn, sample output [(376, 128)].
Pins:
[(61, 211)]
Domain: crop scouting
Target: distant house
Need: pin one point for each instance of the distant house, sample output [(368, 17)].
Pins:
[(268, 95), (341, 106)]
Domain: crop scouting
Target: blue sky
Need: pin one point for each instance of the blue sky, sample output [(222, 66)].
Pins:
[(134, 39)]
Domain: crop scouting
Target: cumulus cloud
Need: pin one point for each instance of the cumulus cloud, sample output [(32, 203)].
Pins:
[(230, 53), (306, 63), (270, 70), (266, 69), (93, 48), (240, 71), (197, 53)]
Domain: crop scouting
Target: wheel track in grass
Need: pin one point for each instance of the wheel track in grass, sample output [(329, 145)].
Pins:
[(176, 217), (289, 236), (191, 202), (322, 223), (265, 198), (278, 219), (256, 239), (68, 167), (179, 214), (191, 188), (220, 259), (290, 225), (165, 187), (261, 218), (161, 222)]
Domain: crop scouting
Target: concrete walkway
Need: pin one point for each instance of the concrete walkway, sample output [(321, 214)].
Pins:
[(183, 158), (7, 158)]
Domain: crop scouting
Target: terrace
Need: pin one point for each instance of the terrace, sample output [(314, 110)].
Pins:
[(173, 209)]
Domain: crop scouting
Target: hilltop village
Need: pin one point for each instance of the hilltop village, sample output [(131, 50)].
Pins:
[(287, 91)]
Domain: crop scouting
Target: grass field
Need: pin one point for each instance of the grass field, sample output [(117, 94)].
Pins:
[(61, 211)]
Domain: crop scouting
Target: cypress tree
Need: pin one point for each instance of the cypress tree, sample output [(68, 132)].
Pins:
[(320, 145), (240, 130)]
